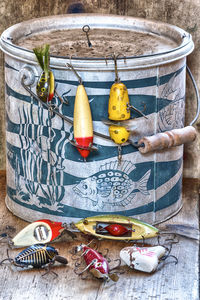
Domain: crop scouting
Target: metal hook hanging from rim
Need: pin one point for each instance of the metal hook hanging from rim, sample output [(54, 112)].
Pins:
[(75, 72), (115, 57), (86, 29)]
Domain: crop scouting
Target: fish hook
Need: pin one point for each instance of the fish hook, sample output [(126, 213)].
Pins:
[(7, 259), (86, 268), (118, 265), (168, 249)]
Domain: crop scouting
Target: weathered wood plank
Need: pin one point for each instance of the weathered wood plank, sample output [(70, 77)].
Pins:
[(169, 282), (184, 14)]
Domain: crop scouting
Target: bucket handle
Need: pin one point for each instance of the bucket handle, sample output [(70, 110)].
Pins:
[(197, 95), (174, 137)]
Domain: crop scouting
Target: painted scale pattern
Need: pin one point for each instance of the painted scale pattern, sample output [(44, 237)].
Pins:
[(48, 172), (36, 255)]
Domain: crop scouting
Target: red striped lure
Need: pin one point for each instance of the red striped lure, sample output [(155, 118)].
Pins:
[(45, 85), (83, 126)]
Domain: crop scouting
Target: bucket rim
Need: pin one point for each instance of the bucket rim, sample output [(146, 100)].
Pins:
[(59, 62)]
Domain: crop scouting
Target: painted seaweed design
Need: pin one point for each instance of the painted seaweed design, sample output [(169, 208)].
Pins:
[(35, 154)]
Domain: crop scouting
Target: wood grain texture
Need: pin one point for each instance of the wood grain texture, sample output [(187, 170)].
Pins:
[(184, 14), (169, 282)]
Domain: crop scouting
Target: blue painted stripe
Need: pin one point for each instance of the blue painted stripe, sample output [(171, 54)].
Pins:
[(170, 198), (139, 101), (67, 211), (19, 156), (137, 83)]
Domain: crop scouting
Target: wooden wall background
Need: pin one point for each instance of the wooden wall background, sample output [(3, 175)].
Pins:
[(183, 13)]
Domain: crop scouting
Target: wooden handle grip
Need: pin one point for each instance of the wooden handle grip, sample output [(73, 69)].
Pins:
[(168, 139)]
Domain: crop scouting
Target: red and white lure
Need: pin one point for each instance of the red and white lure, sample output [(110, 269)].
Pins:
[(41, 231), (83, 125), (96, 264), (145, 259)]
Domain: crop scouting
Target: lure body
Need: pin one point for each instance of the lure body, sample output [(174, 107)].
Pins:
[(41, 231), (118, 103), (96, 263), (36, 256), (115, 227), (83, 127), (119, 134), (136, 229), (51, 86), (42, 88), (45, 86), (145, 259), (46, 83)]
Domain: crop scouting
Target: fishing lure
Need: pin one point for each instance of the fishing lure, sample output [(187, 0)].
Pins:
[(96, 264), (83, 126), (119, 134), (46, 83), (119, 105), (119, 110), (36, 256), (145, 259), (114, 227), (41, 231)]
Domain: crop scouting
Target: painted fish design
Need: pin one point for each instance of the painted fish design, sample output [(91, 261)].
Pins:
[(112, 186)]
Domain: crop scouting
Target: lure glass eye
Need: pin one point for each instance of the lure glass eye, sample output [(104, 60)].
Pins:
[(99, 264)]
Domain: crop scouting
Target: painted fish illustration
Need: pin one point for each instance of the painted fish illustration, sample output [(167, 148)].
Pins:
[(112, 185), (170, 117)]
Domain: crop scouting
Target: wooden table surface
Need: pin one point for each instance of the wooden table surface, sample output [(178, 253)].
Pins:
[(169, 282)]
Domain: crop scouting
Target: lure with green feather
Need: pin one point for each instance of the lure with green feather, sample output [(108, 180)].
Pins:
[(45, 85)]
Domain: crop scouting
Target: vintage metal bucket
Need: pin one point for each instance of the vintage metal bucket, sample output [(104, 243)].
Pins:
[(46, 176)]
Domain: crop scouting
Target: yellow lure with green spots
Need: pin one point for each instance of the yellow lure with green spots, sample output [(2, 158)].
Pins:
[(118, 109), (46, 83), (118, 134), (42, 88)]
